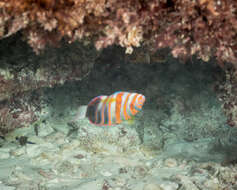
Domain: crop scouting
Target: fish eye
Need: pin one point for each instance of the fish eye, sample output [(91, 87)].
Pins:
[(141, 100)]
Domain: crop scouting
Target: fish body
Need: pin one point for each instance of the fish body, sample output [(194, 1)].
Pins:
[(113, 109)]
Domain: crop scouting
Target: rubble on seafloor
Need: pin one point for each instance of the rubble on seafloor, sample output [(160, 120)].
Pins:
[(180, 140), (102, 158)]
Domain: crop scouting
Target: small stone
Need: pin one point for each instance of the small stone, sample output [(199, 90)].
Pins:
[(123, 170), (4, 187), (18, 152), (119, 181), (152, 186), (106, 173), (140, 171), (79, 156), (212, 184), (18, 168), (4, 153), (149, 164), (169, 186), (33, 150), (65, 167), (44, 130), (170, 162), (186, 182)]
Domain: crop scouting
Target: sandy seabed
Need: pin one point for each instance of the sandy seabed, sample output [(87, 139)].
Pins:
[(179, 141)]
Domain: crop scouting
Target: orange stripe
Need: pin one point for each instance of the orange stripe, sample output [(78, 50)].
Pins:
[(126, 116), (118, 107), (132, 108), (109, 111), (134, 111)]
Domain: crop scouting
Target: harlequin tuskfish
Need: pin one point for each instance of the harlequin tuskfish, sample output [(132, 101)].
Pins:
[(110, 110)]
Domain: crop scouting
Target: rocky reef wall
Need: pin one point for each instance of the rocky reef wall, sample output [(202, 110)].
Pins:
[(21, 71)]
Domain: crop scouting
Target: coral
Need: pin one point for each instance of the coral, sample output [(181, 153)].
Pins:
[(18, 112), (144, 55), (204, 28)]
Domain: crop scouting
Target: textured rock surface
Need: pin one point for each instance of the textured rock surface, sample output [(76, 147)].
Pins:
[(100, 158), (21, 70), (228, 96)]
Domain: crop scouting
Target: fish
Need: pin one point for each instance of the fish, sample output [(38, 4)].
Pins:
[(110, 110)]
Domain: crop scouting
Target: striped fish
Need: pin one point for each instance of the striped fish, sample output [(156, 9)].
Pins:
[(110, 110)]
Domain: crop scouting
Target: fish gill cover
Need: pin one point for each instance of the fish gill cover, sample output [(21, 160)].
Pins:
[(206, 28)]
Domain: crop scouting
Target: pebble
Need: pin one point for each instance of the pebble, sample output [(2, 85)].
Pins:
[(5, 187), (152, 186), (106, 173), (140, 171), (170, 162), (4, 153), (120, 181), (212, 184), (33, 150), (169, 186), (18, 151), (187, 182), (45, 130)]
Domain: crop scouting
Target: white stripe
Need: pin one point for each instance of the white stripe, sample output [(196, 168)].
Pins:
[(112, 108), (129, 103), (122, 105), (137, 103), (112, 112), (99, 108)]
